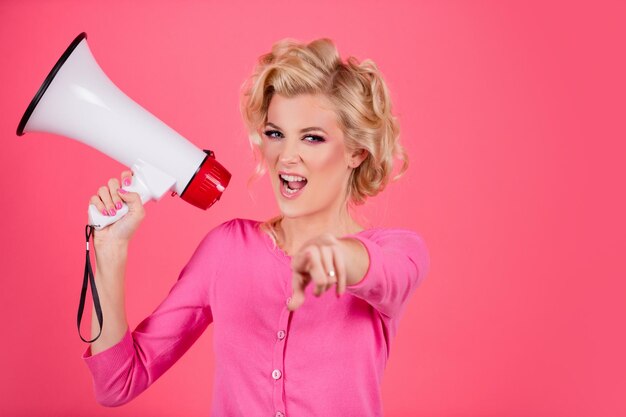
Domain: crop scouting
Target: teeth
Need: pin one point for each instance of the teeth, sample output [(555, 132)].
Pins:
[(292, 178), (289, 190)]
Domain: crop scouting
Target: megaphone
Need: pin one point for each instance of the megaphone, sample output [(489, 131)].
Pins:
[(79, 101)]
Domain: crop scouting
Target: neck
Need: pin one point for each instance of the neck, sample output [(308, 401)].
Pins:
[(293, 232)]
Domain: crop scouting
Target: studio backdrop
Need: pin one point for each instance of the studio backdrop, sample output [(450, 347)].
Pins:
[(512, 117)]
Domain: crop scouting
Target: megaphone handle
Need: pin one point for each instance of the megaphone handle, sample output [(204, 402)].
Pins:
[(99, 220)]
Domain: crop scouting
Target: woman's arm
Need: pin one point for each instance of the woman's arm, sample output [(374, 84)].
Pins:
[(383, 269), (111, 252), (398, 262), (127, 368), (110, 282)]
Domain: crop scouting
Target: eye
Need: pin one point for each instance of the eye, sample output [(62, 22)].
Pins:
[(275, 134), (270, 133), (314, 138)]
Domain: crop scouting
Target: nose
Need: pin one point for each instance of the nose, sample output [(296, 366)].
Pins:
[(290, 152)]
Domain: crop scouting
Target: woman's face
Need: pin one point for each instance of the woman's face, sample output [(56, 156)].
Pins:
[(303, 146)]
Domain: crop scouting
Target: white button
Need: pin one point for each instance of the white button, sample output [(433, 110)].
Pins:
[(288, 299), (276, 374), (279, 414), (281, 334)]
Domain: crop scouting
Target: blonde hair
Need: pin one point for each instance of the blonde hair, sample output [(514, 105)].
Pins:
[(360, 98)]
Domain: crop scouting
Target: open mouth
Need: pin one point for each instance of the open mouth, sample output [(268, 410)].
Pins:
[(292, 184)]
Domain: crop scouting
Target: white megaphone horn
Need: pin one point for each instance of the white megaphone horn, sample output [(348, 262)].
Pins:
[(79, 101)]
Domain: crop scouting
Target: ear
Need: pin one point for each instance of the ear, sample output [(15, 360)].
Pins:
[(357, 158)]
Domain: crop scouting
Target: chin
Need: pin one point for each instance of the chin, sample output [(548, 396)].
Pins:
[(287, 210), (293, 209)]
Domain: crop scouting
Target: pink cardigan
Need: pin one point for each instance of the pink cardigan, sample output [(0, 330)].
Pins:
[(325, 359)]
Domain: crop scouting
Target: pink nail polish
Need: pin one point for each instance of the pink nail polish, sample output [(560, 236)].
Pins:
[(118, 205), (105, 212), (112, 212), (126, 181), (122, 191)]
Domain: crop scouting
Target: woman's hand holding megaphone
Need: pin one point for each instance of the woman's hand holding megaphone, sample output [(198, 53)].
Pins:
[(111, 244), (109, 200)]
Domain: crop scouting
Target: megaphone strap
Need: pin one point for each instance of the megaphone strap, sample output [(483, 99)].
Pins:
[(88, 279)]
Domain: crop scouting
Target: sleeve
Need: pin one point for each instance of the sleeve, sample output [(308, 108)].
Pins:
[(126, 369), (398, 263)]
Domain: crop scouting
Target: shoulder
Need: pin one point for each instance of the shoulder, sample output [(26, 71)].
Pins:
[(238, 226), (225, 240), (228, 232), (392, 235)]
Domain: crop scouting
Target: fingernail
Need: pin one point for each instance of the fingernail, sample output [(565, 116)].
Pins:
[(126, 181), (118, 205), (105, 212), (122, 191), (112, 212)]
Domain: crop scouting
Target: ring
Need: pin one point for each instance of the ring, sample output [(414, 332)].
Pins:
[(331, 273)]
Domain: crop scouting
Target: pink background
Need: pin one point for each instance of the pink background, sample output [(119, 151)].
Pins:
[(512, 114)]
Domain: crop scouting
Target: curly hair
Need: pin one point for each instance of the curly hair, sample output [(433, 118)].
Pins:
[(356, 89)]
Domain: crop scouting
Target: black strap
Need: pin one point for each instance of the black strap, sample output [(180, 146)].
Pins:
[(88, 278)]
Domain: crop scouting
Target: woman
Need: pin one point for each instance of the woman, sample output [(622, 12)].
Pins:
[(324, 131)]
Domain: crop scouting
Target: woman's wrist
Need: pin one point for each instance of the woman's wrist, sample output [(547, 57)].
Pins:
[(111, 250)]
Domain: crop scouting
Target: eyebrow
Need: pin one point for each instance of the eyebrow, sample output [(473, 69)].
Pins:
[(306, 129)]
